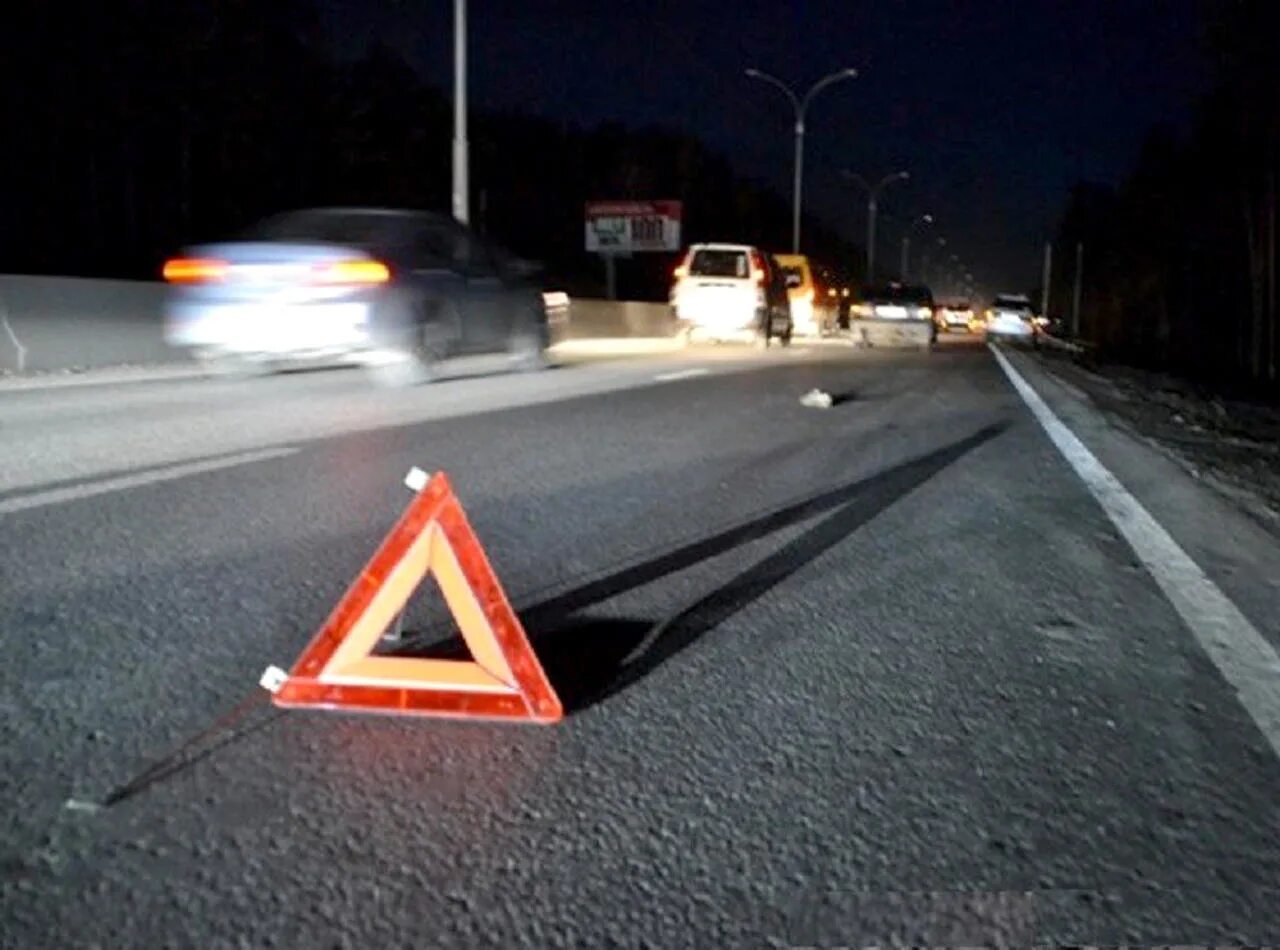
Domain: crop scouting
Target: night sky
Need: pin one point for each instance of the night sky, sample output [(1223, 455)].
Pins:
[(995, 113)]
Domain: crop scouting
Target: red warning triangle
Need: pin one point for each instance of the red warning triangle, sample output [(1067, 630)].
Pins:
[(504, 680)]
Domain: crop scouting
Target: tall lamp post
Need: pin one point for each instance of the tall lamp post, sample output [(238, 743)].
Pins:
[(924, 219), (873, 202), (801, 106), (461, 158)]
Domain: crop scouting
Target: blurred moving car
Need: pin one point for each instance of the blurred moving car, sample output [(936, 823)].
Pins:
[(731, 292), (956, 316), (895, 314), (392, 289), (806, 309), (1011, 318)]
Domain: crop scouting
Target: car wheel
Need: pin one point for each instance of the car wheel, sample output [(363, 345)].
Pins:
[(527, 352), (423, 343)]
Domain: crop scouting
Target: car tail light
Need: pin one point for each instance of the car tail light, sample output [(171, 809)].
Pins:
[(194, 270), (680, 272), (757, 268), (353, 272), (807, 296)]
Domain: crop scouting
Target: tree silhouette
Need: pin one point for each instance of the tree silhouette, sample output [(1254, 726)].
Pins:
[(1180, 262), (134, 130)]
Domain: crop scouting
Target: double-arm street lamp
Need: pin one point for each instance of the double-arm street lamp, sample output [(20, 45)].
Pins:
[(873, 201), (801, 106)]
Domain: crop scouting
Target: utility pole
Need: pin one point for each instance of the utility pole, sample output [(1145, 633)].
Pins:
[(610, 276), (1044, 280), (1075, 297), (461, 158), (925, 219)]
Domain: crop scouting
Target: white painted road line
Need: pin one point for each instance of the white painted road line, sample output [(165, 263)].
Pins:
[(682, 374), (1241, 654), (57, 496)]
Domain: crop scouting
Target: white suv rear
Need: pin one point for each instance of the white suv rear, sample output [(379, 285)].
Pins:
[(1012, 318), (726, 291)]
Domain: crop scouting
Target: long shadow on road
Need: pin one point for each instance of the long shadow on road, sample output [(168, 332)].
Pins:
[(590, 659)]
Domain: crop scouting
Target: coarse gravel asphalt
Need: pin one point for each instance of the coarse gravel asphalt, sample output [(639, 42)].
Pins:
[(883, 671)]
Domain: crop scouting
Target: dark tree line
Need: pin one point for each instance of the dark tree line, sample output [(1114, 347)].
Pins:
[(133, 128), (1180, 260)]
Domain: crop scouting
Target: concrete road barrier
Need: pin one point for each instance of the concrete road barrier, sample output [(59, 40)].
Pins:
[(51, 324), (64, 323), (613, 319)]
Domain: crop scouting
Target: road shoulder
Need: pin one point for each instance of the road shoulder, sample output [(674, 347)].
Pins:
[(1229, 445), (1227, 540)]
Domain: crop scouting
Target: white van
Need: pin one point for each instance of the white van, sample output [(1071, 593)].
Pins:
[(731, 292)]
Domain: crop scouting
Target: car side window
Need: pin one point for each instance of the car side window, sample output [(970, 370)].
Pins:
[(479, 261), (459, 250), (435, 246)]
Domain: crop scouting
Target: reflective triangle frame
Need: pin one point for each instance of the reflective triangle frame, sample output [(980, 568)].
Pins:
[(503, 680)]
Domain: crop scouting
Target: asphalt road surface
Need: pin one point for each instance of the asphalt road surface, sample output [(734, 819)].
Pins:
[(884, 671)]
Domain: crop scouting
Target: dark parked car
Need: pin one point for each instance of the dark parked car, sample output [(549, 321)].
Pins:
[(897, 302), (398, 289)]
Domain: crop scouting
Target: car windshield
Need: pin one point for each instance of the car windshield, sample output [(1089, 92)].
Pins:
[(900, 294), (1011, 303), (716, 263)]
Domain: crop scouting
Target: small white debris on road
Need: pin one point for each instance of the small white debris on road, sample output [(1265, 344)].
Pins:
[(816, 399)]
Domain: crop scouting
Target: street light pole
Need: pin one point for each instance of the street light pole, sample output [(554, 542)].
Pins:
[(461, 158), (801, 106), (1046, 279), (1077, 292), (873, 203)]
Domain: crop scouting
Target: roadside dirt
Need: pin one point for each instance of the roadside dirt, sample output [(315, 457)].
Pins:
[(1231, 445)]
